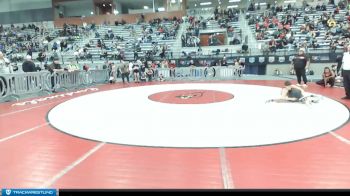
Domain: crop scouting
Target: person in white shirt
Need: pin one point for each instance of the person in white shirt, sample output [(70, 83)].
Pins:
[(346, 73), (5, 66)]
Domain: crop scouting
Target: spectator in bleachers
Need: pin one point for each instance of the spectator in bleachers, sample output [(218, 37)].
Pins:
[(245, 48), (136, 55), (72, 66), (41, 56), (103, 54), (5, 66), (55, 46), (272, 45), (99, 43), (224, 63)]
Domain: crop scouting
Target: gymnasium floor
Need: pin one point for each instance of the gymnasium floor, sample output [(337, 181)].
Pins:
[(218, 135)]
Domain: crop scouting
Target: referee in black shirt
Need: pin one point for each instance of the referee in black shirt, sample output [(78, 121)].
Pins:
[(301, 63)]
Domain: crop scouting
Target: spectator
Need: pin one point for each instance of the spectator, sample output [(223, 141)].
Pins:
[(54, 69), (135, 70), (328, 78), (5, 66), (72, 66), (149, 74), (124, 69), (28, 65), (172, 67)]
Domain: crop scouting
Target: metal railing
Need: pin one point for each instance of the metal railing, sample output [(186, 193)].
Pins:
[(201, 73), (15, 86)]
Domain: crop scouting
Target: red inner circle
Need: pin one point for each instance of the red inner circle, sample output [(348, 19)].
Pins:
[(191, 96)]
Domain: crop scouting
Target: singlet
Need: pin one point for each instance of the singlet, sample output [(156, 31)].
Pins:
[(295, 93)]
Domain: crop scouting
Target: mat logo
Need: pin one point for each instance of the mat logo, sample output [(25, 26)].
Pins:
[(36, 101), (8, 191), (190, 95)]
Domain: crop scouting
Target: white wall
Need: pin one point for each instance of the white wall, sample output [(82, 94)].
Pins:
[(18, 5), (140, 11), (118, 6), (78, 8)]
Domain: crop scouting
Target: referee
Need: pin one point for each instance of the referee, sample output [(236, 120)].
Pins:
[(301, 63), (346, 73)]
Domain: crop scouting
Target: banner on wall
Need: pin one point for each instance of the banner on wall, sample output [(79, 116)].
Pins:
[(281, 59), (291, 58), (261, 59), (284, 59), (251, 59)]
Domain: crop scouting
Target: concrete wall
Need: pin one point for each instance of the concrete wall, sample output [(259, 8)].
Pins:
[(24, 11), (77, 8), (129, 18), (140, 11), (19, 5)]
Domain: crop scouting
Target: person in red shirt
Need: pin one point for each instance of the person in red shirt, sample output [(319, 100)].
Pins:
[(272, 45), (287, 26), (257, 26)]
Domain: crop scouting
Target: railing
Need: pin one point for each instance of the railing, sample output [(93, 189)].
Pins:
[(15, 86), (201, 73)]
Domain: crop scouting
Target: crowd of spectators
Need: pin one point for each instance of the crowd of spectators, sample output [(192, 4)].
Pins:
[(222, 17), (307, 27)]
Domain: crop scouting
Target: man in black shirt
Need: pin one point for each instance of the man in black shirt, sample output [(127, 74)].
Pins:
[(300, 63), (53, 69), (28, 65)]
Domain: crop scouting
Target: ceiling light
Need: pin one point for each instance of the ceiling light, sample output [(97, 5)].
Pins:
[(232, 1), (161, 9), (145, 7), (232, 6), (290, 1), (205, 3)]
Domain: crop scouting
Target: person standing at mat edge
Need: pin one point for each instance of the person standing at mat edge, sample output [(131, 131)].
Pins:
[(346, 73), (300, 64)]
